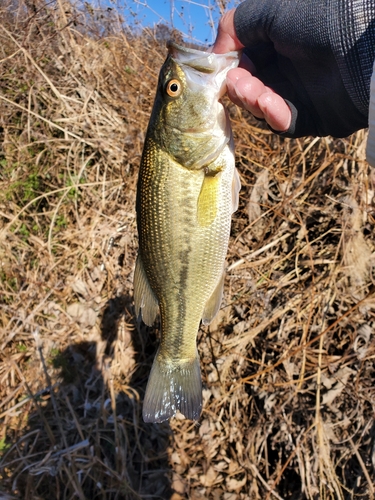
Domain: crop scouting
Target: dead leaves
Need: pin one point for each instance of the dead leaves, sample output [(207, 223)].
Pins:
[(83, 314)]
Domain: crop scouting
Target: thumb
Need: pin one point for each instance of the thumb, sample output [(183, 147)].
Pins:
[(226, 39)]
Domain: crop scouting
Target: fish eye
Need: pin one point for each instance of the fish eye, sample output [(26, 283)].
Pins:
[(174, 88)]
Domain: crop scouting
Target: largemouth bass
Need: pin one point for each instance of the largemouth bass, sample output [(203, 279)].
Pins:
[(187, 191)]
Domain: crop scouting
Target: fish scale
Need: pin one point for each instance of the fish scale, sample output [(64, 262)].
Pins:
[(183, 217)]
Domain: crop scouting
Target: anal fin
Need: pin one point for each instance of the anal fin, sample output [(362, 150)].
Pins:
[(145, 300), (213, 304)]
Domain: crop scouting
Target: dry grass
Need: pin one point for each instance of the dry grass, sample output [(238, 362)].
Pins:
[(288, 365)]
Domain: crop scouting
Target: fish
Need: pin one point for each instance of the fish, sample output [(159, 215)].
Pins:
[(187, 189)]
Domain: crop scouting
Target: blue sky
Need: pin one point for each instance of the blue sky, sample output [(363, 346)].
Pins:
[(196, 19)]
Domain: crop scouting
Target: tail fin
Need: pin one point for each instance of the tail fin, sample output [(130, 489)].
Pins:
[(173, 387)]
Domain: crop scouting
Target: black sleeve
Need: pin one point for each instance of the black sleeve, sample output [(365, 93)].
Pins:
[(318, 55)]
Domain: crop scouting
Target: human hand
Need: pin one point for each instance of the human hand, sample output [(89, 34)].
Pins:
[(244, 89), (312, 63)]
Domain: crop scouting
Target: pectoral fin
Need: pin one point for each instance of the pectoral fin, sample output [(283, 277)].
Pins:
[(145, 300), (236, 186), (213, 304), (208, 200)]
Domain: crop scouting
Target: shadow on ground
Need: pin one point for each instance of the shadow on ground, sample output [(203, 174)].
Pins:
[(82, 439)]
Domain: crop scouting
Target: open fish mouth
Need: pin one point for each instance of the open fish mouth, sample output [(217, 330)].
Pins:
[(204, 68), (204, 61)]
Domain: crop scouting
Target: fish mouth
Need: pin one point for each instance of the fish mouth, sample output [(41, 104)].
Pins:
[(202, 60), (202, 67)]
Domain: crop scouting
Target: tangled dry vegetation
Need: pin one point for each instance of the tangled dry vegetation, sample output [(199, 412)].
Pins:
[(288, 365)]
